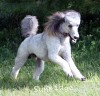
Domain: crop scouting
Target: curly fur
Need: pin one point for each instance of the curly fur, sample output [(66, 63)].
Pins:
[(29, 26), (53, 44), (53, 24)]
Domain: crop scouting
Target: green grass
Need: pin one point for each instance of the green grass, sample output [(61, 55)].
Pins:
[(53, 81)]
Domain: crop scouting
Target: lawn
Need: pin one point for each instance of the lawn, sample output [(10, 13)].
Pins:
[(53, 81)]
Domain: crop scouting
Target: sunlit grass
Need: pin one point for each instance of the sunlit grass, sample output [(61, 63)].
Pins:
[(53, 81)]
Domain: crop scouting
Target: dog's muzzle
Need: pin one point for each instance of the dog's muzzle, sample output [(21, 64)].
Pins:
[(74, 39)]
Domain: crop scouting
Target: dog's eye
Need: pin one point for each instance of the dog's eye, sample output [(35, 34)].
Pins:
[(77, 25), (70, 26)]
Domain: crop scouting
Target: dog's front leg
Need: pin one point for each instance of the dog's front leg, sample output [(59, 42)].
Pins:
[(58, 60), (54, 47), (73, 67), (75, 70)]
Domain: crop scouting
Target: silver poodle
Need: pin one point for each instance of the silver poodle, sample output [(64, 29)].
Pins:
[(53, 44)]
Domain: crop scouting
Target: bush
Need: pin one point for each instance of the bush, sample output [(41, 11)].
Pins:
[(12, 12)]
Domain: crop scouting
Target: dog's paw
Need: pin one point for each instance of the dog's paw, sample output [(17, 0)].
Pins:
[(80, 77), (36, 78), (83, 78), (13, 77), (14, 74)]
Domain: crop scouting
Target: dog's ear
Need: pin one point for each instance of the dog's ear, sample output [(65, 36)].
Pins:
[(52, 26), (58, 23)]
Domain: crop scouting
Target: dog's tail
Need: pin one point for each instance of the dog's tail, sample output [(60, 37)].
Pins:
[(29, 26)]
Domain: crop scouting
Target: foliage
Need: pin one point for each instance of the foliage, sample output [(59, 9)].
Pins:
[(12, 12)]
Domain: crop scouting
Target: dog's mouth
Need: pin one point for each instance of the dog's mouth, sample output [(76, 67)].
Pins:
[(74, 40)]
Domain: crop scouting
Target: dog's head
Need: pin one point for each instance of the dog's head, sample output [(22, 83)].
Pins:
[(66, 23), (71, 24)]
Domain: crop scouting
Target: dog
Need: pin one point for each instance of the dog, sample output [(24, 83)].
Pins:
[(53, 44)]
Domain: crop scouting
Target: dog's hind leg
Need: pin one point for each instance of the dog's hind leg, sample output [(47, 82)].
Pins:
[(19, 62), (39, 69)]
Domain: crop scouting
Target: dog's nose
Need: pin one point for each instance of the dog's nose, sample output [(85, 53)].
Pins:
[(76, 37)]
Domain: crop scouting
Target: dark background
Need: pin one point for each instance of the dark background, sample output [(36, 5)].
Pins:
[(12, 12)]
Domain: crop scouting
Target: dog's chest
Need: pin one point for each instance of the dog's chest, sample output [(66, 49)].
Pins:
[(64, 40), (65, 46)]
